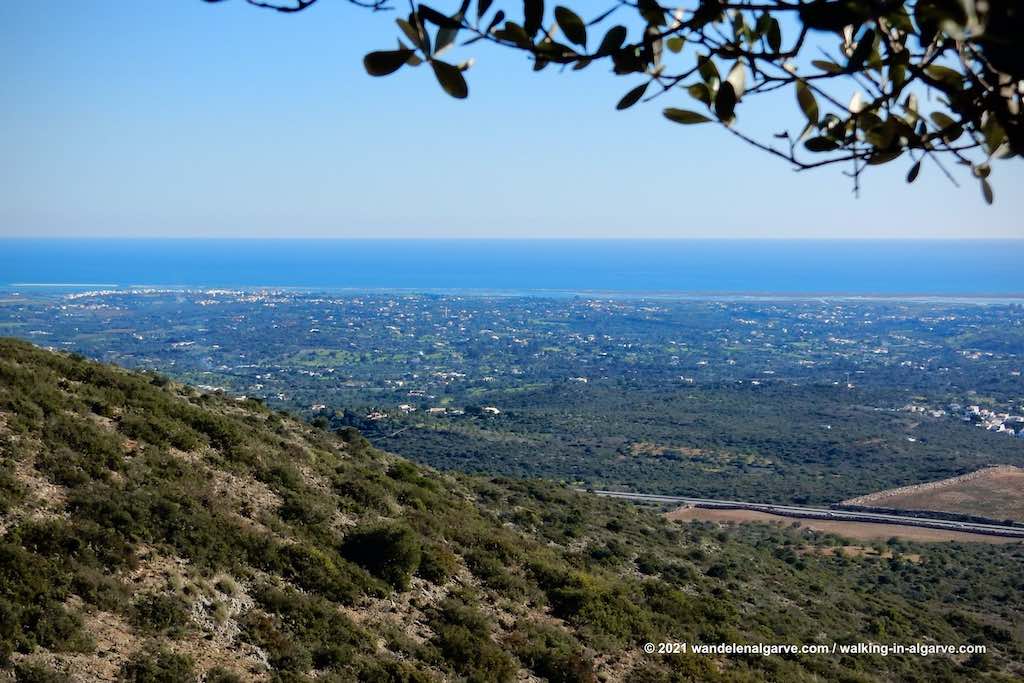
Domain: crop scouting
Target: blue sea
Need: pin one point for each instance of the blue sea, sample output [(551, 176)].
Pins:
[(949, 268)]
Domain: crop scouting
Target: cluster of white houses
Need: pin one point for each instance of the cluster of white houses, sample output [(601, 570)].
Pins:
[(1005, 423), (993, 421), (409, 408)]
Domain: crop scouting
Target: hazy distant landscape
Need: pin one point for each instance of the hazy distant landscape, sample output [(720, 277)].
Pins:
[(791, 401)]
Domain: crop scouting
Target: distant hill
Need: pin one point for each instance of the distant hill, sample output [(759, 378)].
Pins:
[(151, 532)]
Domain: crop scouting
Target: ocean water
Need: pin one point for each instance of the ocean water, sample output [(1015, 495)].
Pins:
[(975, 268)]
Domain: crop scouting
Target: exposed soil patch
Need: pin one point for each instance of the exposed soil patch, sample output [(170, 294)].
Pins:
[(993, 492)]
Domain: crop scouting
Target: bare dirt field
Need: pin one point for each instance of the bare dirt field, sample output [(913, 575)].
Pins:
[(861, 531), (994, 492)]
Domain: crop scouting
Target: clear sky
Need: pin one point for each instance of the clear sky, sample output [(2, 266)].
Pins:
[(128, 118)]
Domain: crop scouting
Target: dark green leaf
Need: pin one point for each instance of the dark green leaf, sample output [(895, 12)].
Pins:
[(533, 16), (707, 69), (821, 144), (652, 12), (774, 35), (514, 33), (632, 97), (612, 40), (410, 32), (700, 91), (942, 121), (914, 170), (684, 116), (949, 128), (828, 67), (572, 26), (884, 157), (481, 8), (725, 101), (450, 79), (445, 37), (386, 62), (898, 76), (434, 17), (498, 17), (994, 134), (446, 34), (808, 104), (945, 75)]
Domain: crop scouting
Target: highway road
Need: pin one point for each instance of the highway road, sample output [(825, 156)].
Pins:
[(821, 513)]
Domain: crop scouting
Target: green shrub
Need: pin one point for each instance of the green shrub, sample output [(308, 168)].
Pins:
[(283, 652), (11, 491), (158, 666), (462, 637), (304, 508), (66, 467), (36, 672), (364, 493), (437, 563), (160, 614), (94, 445), (221, 675), (378, 670), (99, 589), (553, 654), (391, 552), (308, 622), (159, 431), (607, 612), (56, 628), (321, 571), (32, 589), (84, 542)]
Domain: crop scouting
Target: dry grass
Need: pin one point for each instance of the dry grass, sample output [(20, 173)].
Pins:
[(994, 492)]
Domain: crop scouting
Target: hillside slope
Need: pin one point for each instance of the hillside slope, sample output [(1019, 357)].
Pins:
[(149, 532)]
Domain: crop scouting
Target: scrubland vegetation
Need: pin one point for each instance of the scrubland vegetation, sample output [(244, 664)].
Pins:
[(155, 533)]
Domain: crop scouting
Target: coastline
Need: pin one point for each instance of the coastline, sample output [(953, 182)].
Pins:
[(83, 289)]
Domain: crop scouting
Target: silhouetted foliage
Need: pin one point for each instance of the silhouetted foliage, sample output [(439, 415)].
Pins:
[(875, 81)]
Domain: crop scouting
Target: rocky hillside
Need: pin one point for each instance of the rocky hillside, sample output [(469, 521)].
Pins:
[(150, 532)]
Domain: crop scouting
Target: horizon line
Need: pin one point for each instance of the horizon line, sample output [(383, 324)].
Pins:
[(538, 238)]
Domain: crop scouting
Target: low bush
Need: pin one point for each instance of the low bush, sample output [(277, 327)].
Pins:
[(552, 654), (160, 614), (152, 665), (437, 563), (462, 638), (391, 552), (37, 672)]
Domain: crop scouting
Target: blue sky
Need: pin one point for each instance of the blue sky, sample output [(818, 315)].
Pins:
[(127, 118)]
